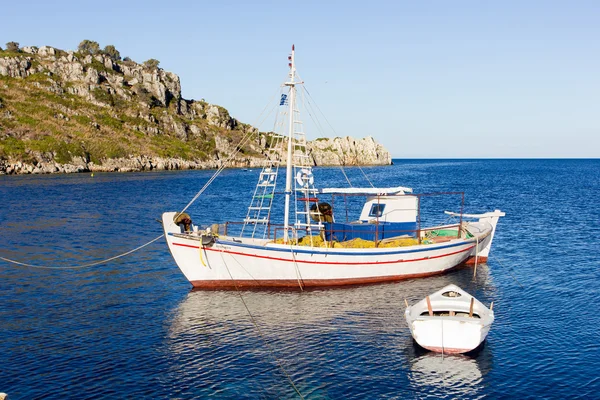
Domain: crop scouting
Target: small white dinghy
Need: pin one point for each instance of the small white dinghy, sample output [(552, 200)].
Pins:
[(449, 321)]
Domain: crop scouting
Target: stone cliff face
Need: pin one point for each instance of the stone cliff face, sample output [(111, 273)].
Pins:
[(349, 151), (66, 112)]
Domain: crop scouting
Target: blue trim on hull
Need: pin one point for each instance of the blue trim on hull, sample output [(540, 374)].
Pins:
[(325, 252)]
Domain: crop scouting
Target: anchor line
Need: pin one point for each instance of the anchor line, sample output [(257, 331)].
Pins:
[(262, 336), (93, 264), (242, 142), (442, 321), (509, 271), (474, 280), (241, 266), (296, 268)]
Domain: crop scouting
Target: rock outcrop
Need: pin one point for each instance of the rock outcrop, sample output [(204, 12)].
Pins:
[(349, 151), (63, 112)]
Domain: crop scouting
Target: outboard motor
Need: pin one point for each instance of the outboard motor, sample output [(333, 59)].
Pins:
[(321, 212), (184, 221)]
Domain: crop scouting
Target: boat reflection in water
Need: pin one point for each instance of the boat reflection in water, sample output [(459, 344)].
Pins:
[(332, 342), (453, 376)]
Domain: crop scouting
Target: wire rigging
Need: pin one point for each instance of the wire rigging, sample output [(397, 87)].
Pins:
[(334, 131)]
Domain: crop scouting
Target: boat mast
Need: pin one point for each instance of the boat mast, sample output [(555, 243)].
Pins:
[(288, 172)]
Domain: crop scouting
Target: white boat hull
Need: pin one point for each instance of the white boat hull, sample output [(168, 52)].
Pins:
[(449, 324), (450, 335), (241, 262)]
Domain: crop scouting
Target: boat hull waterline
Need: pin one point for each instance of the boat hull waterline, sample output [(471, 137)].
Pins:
[(246, 263)]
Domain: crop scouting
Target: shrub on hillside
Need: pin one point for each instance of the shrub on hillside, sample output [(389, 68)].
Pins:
[(112, 52), (129, 62), (88, 47), (12, 46), (145, 96), (151, 63)]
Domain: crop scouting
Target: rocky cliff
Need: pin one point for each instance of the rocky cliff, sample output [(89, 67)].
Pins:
[(64, 111)]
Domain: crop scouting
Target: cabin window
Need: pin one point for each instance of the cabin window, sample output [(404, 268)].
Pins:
[(377, 210)]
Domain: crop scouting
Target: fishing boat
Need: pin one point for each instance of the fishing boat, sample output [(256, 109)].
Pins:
[(449, 321), (304, 242)]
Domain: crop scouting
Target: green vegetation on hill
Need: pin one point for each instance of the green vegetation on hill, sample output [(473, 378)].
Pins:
[(60, 105), (92, 106)]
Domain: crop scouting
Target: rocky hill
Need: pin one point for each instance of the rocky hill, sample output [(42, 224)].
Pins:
[(66, 111)]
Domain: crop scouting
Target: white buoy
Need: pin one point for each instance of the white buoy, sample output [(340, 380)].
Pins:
[(3, 396)]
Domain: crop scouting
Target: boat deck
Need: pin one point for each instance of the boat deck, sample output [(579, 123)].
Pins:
[(357, 243)]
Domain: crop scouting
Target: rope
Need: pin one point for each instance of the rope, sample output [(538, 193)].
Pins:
[(346, 176), (296, 268), (509, 271), (242, 267), (442, 321), (326, 120), (217, 173), (476, 257), (242, 142), (262, 336), (366, 177), (238, 148), (308, 107), (84, 265)]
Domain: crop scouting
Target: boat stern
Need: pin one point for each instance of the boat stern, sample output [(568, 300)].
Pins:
[(484, 222), (446, 335), (491, 218)]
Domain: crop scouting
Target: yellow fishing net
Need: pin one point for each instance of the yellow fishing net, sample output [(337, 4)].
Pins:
[(317, 241)]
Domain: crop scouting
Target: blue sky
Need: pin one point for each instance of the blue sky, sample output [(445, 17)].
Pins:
[(426, 79)]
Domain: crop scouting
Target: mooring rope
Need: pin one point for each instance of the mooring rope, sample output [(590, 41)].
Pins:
[(476, 258), (509, 271), (296, 268), (242, 142), (84, 265), (262, 336), (238, 148)]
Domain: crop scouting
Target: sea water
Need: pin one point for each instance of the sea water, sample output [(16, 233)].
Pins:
[(132, 328)]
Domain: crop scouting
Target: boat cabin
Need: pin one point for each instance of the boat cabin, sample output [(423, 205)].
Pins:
[(386, 214)]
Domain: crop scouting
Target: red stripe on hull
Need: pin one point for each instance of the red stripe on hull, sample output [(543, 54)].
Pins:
[(480, 260), (447, 350), (293, 283), (186, 245), (324, 263)]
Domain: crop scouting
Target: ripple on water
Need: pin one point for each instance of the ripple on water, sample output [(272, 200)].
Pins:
[(132, 329)]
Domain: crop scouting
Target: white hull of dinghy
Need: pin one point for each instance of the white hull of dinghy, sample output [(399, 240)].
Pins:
[(449, 335), (449, 324), (242, 262)]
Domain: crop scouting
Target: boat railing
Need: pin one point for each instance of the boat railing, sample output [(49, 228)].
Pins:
[(347, 201), (377, 232), (381, 233), (234, 228)]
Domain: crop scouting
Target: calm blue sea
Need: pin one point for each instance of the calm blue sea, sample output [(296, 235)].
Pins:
[(132, 328)]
